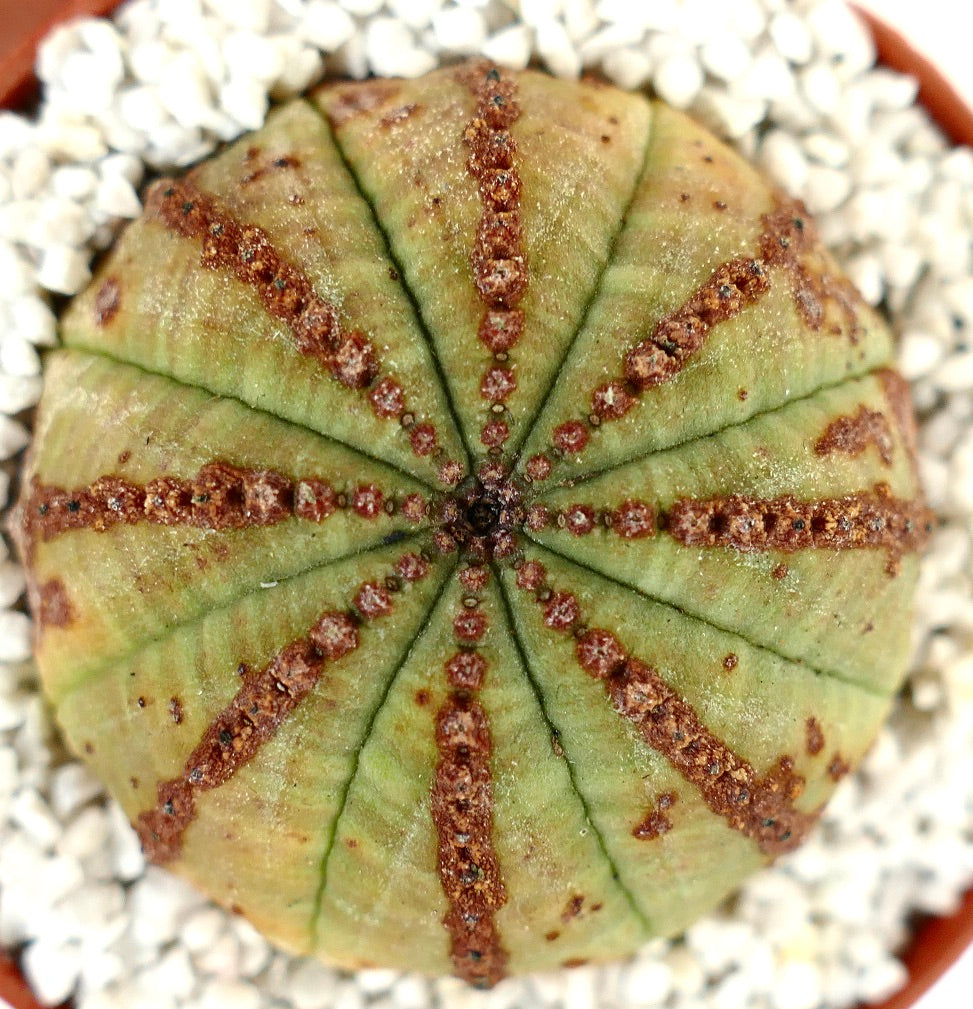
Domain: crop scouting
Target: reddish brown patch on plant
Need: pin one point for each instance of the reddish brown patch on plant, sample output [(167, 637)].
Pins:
[(268, 165), (422, 698), (851, 435), (838, 767), (176, 710), (656, 821), (633, 520), (538, 468), (814, 736), (874, 520), (399, 115), (730, 661), (263, 702), (780, 572), (108, 300), (55, 609), (551, 936), (573, 908), (358, 99)]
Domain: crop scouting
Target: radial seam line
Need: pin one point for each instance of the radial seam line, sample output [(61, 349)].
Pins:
[(410, 294), (529, 422), (826, 674), (197, 618), (356, 760), (81, 348), (539, 697), (583, 477)]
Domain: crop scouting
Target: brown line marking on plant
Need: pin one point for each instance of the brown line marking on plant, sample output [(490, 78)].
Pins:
[(787, 237), (656, 821), (760, 807), (498, 259), (852, 434), (263, 702), (286, 293), (221, 496), (863, 520), (462, 805)]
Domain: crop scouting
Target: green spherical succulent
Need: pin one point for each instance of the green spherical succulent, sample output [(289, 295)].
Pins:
[(471, 523)]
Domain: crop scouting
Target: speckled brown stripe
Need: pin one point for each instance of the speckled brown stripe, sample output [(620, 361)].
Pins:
[(220, 496), (264, 700), (498, 259), (759, 807), (462, 809), (851, 435), (678, 336), (462, 799), (246, 251), (874, 520)]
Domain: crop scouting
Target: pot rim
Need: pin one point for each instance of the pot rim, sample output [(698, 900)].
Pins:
[(937, 942)]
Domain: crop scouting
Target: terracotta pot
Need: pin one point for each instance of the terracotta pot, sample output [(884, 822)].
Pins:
[(937, 942)]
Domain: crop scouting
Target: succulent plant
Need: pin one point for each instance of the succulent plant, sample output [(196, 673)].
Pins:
[(472, 523)]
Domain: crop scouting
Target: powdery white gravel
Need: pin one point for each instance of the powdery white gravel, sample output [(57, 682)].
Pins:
[(792, 85)]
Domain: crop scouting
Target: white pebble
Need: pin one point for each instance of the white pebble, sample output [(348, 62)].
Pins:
[(32, 319), (781, 156), (375, 981), (261, 56), (72, 182), (646, 982), (72, 785), (18, 357), (556, 49), (677, 79), (245, 100), (220, 993), (826, 189), (391, 50), (821, 88), (726, 58), (52, 970), (251, 15), (116, 198), (510, 47), (459, 30), (327, 25), (311, 985), (63, 269), (29, 174), (15, 628), (628, 68), (791, 37), (173, 973), (796, 986), (202, 928)]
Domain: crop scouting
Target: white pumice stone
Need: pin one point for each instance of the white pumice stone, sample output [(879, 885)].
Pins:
[(52, 970), (555, 49), (312, 986), (63, 269), (509, 47), (459, 30)]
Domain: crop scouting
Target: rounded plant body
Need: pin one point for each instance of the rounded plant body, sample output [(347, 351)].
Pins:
[(471, 524)]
